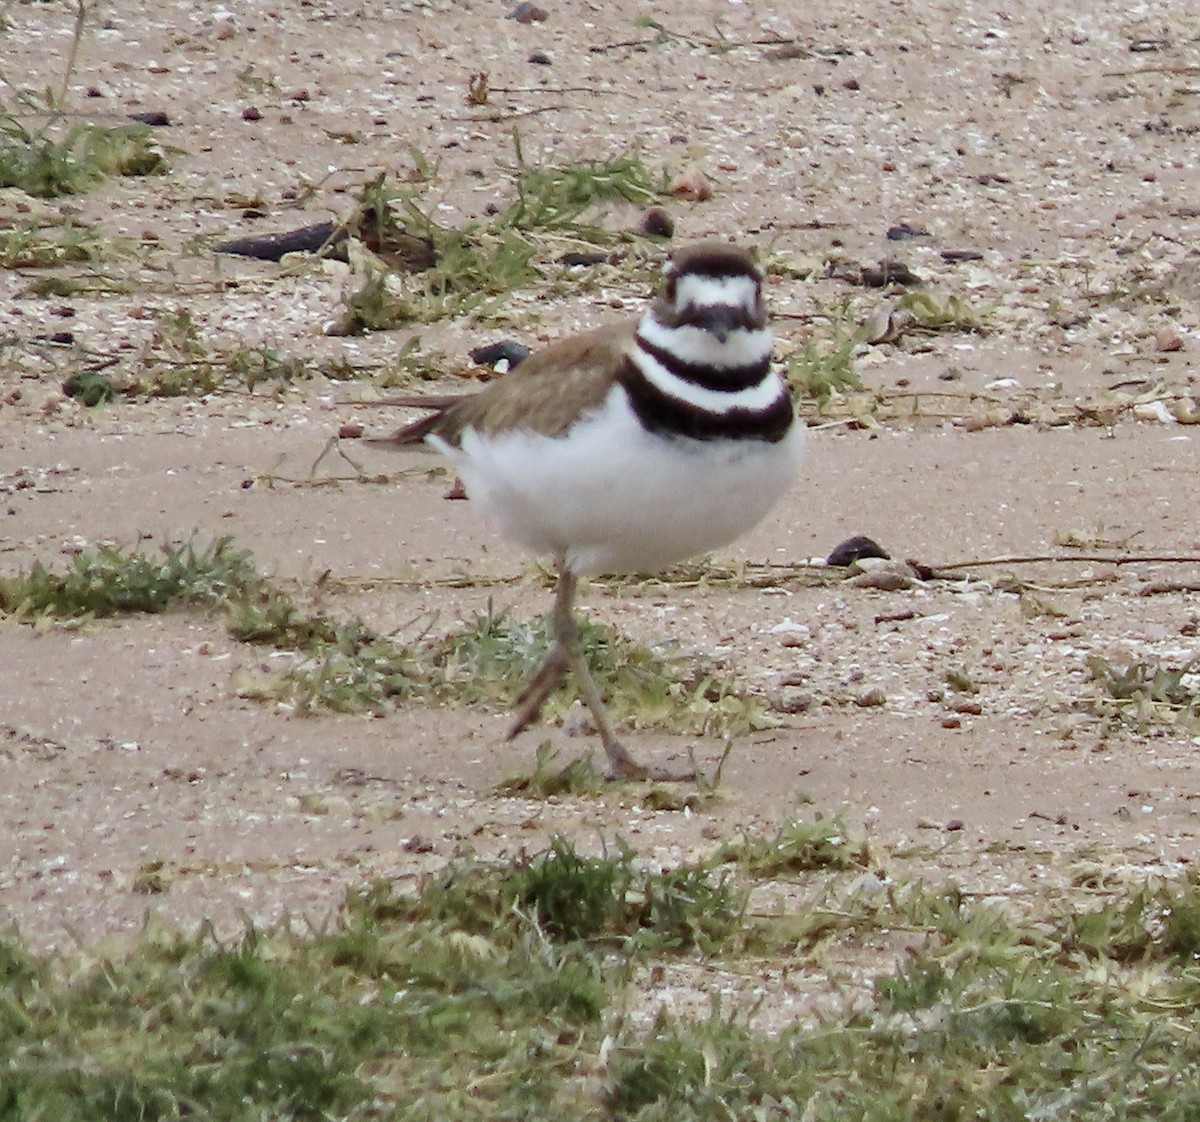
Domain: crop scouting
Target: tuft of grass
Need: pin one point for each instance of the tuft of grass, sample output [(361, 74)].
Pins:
[(341, 665), (1148, 680), (798, 847), (473, 267), (960, 681), (817, 371), (556, 197), (571, 898), (576, 777), (39, 245), (179, 362), (50, 163), (937, 311), (358, 672), (109, 581), (1145, 691), (489, 661), (412, 365), (467, 266), (1153, 924), (279, 1026)]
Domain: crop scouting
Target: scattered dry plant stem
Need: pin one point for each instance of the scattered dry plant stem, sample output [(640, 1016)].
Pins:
[(1165, 68), (1073, 559), (73, 51), (499, 118), (561, 90), (1165, 587)]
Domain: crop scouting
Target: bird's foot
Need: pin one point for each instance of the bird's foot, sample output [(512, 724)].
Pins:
[(623, 766), (543, 683)]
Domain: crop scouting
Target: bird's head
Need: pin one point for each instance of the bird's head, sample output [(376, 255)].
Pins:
[(712, 286)]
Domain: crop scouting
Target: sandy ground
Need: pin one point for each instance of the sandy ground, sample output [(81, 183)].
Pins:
[(1061, 148)]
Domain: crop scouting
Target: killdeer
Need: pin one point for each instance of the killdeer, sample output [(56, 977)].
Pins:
[(629, 448)]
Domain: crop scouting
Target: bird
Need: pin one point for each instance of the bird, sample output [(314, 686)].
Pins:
[(628, 448)]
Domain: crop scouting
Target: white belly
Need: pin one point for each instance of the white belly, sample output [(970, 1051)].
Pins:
[(613, 498)]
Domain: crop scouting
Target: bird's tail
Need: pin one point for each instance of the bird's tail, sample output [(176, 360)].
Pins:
[(415, 431)]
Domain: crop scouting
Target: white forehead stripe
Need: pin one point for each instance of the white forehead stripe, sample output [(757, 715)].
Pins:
[(738, 291), (754, 398)]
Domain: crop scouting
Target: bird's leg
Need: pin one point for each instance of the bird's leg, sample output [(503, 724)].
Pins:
[(566, 637), (568, 652), (540, 686), (546, 678)]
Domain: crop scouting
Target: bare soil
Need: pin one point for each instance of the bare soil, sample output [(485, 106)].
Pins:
[(1059, 146)]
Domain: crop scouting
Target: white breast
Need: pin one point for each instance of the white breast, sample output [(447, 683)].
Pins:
[(614, 498)]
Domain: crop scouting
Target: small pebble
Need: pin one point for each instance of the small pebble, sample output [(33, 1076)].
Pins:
[(691, 184), (251, 114), (528, 13), (351, 431), (656, 222), (871, 699), (886, 576), (790, 701), (1168, 339), (904, 230)]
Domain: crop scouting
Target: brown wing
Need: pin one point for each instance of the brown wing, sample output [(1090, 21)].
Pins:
[(545, 393)]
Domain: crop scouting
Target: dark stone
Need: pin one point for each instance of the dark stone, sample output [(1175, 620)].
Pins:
[(506, 349), (853, 549)]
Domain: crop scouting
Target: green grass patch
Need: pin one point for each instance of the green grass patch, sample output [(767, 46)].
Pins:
[(578, 776), (477, 265), (481, 996), (278, 1026), (817, 370), (108, 581), (609, 900), (939, 311), (526, 989), (1144, 692), (39, 245), (557, 197), (179, 362), (345, 665), (56, 161), (491, 658), (797, 847), (342, 666)]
